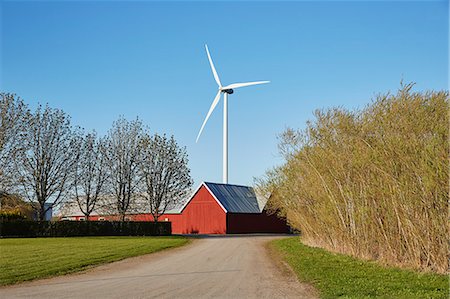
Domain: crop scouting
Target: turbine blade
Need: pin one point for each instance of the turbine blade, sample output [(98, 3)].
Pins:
[(213, 105), (216, 77), (237, 85)]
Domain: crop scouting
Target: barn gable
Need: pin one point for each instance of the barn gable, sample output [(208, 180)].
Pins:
[(231, 198)]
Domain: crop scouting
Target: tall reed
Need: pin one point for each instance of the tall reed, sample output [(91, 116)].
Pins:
[(372, 183)]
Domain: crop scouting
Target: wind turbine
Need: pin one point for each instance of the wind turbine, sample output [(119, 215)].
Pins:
[(225, 90)]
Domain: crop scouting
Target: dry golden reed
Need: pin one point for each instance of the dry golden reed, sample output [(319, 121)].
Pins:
[(371, 183)]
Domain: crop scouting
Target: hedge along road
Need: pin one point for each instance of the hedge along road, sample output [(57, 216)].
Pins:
[(209, 267)]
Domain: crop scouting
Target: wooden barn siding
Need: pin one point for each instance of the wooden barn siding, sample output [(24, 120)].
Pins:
[(241, 223), (203, 215)]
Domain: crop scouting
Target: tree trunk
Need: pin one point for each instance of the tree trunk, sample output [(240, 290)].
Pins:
[(156, 217), (41, 214)]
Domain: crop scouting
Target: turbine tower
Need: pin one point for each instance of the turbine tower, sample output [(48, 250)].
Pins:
[(225, 90)]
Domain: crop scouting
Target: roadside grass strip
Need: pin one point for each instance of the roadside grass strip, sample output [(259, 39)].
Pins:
[(26, 259), (337, 275)]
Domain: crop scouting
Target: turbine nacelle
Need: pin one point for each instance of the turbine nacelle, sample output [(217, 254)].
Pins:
[(229, 90)]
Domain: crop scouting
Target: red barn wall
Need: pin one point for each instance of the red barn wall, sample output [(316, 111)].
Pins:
[(203, 215), (255, 223)]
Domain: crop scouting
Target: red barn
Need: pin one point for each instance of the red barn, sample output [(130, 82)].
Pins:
[(224, 209)]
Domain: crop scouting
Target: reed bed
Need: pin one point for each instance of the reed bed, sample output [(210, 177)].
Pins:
[(371, 183)]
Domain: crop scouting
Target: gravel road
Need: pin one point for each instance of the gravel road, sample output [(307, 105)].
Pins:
[(210, 267)]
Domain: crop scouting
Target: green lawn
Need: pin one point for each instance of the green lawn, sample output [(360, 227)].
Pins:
[(337, 275), (31, 258)]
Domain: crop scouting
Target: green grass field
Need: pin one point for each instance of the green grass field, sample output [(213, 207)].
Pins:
[(337, 275), (31, 258)]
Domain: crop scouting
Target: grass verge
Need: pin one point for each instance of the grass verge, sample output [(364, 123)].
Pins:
[(25, 259), (337, 275)]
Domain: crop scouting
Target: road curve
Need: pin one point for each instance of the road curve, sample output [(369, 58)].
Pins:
[(211, 267)]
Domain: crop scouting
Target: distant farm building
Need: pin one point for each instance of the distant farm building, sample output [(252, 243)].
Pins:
[(213, 209)]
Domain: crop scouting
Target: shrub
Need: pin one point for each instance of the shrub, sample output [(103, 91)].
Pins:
[(10, 215), (83, 228), (371, 183), (13, 202)]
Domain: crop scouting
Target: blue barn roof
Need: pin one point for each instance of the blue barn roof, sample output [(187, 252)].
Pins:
[(235, 198)]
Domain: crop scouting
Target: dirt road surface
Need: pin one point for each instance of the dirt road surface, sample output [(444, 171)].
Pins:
[(209, 267)]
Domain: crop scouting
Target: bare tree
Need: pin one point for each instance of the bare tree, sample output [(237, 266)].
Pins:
[(122, 155), (164, 173), (45, 162), (13, 113), (90, 172)]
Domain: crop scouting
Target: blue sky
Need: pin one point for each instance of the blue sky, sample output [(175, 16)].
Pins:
[(99, 60)]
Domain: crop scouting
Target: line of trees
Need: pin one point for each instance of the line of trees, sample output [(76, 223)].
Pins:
[(371, 183), (46, 160)]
